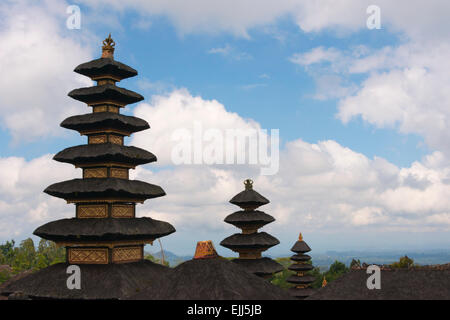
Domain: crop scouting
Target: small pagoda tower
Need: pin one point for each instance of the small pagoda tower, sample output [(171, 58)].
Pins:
[(105, 238), (251, 243), (301, 265)]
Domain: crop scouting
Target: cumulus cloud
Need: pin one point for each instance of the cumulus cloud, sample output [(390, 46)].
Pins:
[(360, 192), (23, 205), (427, 21), (319, 188), (37, 58)]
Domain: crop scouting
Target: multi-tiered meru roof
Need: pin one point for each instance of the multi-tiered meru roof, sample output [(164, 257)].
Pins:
[(105, 238), (251, 243), (301, 266)]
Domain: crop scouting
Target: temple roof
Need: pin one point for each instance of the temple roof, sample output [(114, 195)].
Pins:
[(249, 198), (109, 281), (248, 218), (257, 240), (396, 284), (212, 279), (106, 92), (300, 280), (78, 189), (300, 267), (104, 152), (300, 257), (105, 66), (107, 229), (260, 267), (301, 292), (105, 120), (300, 247)]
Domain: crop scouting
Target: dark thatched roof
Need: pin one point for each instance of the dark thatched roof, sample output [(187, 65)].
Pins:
[(396, 284), (260, 267), (301, 257), (108, 229), (261, 240), (300, 267), (249, 218), (301, 247), (104, 92), (248, 198), (105, 120), (104, 188), (302, 293), (105, 66), (212, 279), (110, 281), (104, 152), (300, 280)]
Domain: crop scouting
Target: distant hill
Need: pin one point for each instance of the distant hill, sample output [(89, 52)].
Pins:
[(430, 257), (171, 257)]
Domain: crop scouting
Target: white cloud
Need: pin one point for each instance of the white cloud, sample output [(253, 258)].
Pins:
[(321, 188), (424, 20), (37, 58), (23, 205), (180, 110), (230, 52)]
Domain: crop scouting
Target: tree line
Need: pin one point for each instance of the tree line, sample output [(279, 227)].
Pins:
[(26, 256)]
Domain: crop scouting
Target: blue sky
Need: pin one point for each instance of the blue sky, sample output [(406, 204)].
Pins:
[(360, 98)]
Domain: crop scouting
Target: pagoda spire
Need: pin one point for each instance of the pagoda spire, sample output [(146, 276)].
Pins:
[(105, 238), (251, 243), (302, 264)]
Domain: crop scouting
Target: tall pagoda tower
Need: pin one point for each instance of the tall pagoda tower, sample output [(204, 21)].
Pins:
[(251, 243), (302, 282), (105, 238)]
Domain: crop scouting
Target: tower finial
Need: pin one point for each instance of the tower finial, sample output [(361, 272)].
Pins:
[(324, 282), (300, 237), (108, 47), (248, 184)]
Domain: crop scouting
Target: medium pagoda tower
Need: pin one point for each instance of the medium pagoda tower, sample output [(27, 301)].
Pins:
[(251, 243), (301, 265), (105, 238)]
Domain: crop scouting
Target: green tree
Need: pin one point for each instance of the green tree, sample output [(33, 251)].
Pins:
[(7, 252), (49, 253), (25, 256), (155, 260), (404, 262), (355, 264)]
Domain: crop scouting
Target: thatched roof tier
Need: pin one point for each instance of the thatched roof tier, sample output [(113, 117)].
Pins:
[(300, 267), (260, 267), (103, 153), (104, 188), (110, 281), (257, 240), (300, 257), (301, 292), (212, 279), (253, 218), (300, 247), (249, 198), (107, 229), (396, 284), (105, 66), (106, 92), (106, 121), (300, 280)]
